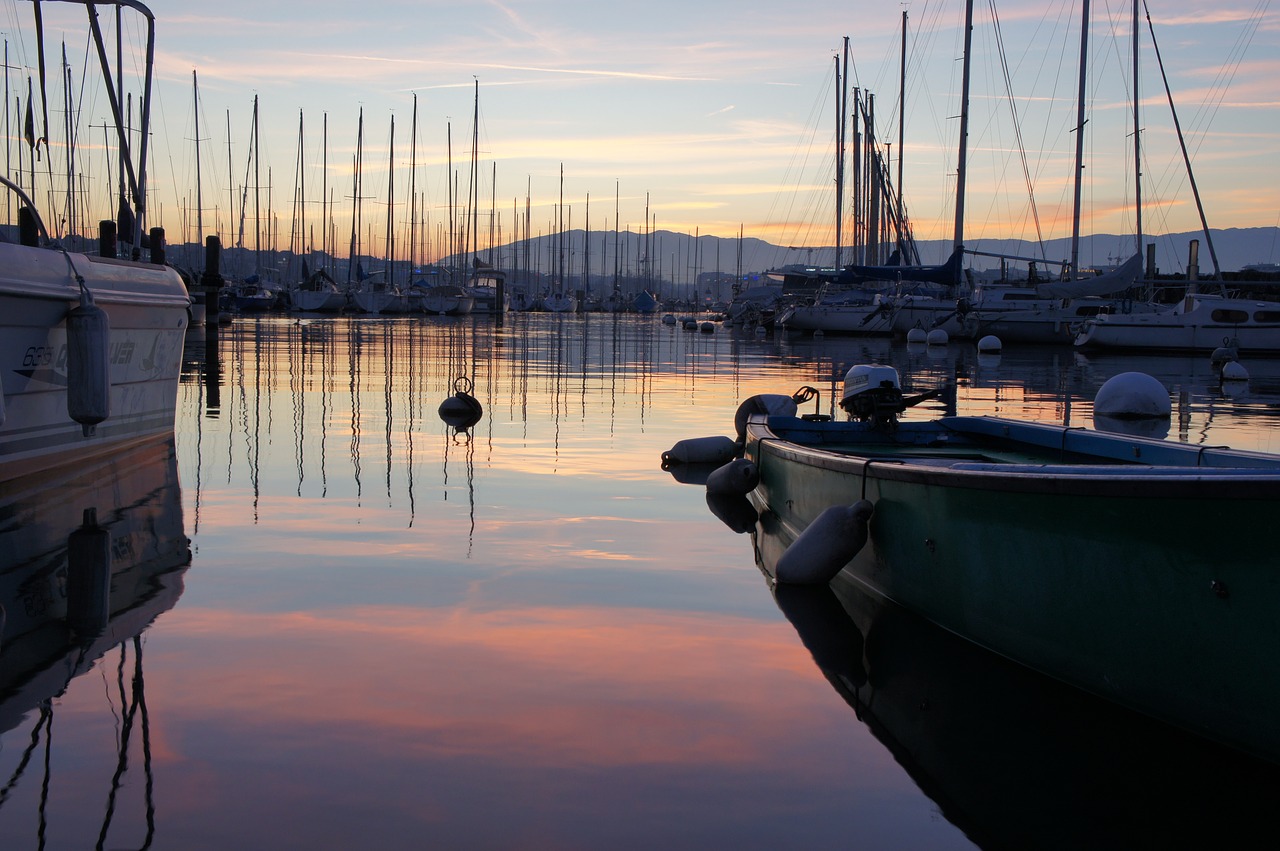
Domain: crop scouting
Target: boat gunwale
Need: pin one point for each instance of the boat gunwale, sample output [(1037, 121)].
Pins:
[(1066, 479)]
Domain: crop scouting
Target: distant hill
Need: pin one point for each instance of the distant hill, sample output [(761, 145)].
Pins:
[(673, 260), (677, 256)]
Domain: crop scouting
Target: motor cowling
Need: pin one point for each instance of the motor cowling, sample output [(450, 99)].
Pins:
[(872, 392)]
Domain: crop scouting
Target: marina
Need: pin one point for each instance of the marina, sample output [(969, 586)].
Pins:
[(392, 632), (415, 512)]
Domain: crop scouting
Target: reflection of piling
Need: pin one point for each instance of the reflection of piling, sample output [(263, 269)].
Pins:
[(500, 309), (211, 280), (89, 578), (212, 371)]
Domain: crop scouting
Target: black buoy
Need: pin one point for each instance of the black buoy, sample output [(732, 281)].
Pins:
[(461, 410)]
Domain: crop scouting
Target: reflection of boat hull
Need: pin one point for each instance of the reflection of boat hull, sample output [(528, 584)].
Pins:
[(147, 309), (47, 636), (1121, 580), (1012, 757)]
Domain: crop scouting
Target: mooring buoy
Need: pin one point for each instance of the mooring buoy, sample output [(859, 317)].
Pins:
[(461, 410)]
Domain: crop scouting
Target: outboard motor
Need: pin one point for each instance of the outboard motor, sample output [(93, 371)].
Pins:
[(872, 393)]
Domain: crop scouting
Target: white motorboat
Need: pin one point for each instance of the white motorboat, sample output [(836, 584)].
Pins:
[(1200, 322)]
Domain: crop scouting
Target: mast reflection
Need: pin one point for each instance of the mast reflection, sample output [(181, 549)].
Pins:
[(90, 556)]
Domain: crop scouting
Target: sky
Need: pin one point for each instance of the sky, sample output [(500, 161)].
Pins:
[(714, 117)]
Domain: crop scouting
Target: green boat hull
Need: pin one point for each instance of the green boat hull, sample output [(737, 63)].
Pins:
[(1155, 591)]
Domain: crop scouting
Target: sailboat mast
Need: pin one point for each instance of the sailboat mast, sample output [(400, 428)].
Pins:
[(964, 125), (231, 186), (324, 197), (560, 233), (473, 191), (352, 258), (391, 205), (448, 135), (257, 218), (1079, 176), (617, 230), (841, 97), (413, 189), (1137, 141), (1186, 158), (195, 99), (902, 134), (302, 194)]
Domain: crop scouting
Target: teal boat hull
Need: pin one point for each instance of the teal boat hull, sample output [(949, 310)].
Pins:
[(1152, 586)]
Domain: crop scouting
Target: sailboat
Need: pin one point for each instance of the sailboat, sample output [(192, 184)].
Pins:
[(317, 292), (93, 342), (1200, 321), (863, 298)]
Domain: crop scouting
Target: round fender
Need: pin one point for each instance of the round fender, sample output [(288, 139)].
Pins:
[(739, 477)]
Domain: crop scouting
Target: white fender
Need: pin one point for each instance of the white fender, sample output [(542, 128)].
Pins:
[(88, 364), (823, 549), (701, 450)]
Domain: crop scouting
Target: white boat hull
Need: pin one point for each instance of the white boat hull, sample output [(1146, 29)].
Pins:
[(318, 301), (1201, 323), (147, 309)]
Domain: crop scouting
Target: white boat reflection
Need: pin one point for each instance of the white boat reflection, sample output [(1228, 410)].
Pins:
[(90, 556)]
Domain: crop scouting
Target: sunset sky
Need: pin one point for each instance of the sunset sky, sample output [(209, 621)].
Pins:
[(721, 114)]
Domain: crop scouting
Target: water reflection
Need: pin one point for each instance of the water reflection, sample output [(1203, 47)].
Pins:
[(1012, 758), (92, 554), (523, 633)]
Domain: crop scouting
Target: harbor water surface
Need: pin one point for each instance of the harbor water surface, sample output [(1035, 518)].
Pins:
[(394, 633)]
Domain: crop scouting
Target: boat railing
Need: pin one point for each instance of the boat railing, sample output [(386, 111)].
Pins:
[(32, 229)]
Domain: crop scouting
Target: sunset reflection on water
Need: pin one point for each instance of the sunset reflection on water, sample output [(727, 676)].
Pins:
[(396, 634)]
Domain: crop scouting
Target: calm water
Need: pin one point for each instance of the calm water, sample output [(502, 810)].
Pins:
[(391, 634)]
